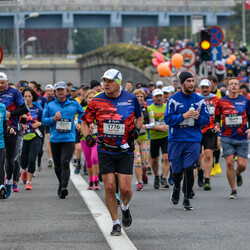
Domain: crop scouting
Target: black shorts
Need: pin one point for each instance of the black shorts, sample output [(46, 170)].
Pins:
[(155, 146), (209, 141), (47, 131), (78, 137), (116, 163)]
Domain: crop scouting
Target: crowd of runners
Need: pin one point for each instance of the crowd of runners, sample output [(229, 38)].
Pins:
[(174, 132)]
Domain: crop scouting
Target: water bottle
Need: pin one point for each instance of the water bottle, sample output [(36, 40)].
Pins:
[(191, 120)]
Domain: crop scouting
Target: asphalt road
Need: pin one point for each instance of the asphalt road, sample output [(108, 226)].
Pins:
[(38, 219)]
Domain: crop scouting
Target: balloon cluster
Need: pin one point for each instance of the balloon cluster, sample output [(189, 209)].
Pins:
[(164, 68), (231, 59)]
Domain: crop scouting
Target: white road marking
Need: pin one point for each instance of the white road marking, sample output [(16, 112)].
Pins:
[(100, 213)]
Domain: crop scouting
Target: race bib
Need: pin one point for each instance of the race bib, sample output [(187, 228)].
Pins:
[(63, 125), (211, 109), (188, 122), (160, 122), (113, 128), (233, 120), (95, 130)]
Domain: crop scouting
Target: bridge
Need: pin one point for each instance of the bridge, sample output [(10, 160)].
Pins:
[(112, 13)]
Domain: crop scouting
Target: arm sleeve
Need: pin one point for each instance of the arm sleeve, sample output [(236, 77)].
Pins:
[(217, 113), (89, 115), (22, 109), (170, 117), (151, 119), (46, 119)]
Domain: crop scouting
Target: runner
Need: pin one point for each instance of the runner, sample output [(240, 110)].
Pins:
[(31, 136), (59, 115), (49, 95), (209, 136), (90, 153), (158, 139), (114, 111), (142, 144), (234, 110), (185, 113), (15, 106)]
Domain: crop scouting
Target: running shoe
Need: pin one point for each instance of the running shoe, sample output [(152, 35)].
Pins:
[(15, 188), (116, 230), (8, 190), (24, 176), (217, 168), (28, 186), (157, 182), (126, 218), (149, 171), (96, 185), (91, 185), (118, 199), (213, 172), (50, 164), (85, 170), (175, 196), (164, 183), (34, 175), (64, 192), (3, 192), (207, 186), (192, 194), (139, 187), (200, 178), (239, 179), (145, 179), (77, 170), (233, 194), (186, 205), (170, 180), (39, 166)]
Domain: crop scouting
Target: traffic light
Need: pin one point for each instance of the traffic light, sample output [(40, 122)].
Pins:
[(205, 45)]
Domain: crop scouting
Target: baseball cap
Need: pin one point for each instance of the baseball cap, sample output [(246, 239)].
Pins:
[(159, 83), (3, 76), (113, 74), (74, 88), (84, 86), (166, 89), (60, 85), (205, 82), (49, 86), (157, 92)]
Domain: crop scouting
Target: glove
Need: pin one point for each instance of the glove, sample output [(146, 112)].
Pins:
[(90, 141), (134, 133)]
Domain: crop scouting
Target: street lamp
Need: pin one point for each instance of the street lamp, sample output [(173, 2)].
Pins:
[(31, 15)]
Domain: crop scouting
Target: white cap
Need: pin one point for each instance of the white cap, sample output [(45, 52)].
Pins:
[(60, 85), (3, 76), (112, 74), (49, 86), (157, 92), (166, 89), (205, 82), (159, 83)]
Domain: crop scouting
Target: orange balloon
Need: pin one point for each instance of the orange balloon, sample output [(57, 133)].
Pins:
[(177, 60), (233, 58), (163, 69), (229, 61)]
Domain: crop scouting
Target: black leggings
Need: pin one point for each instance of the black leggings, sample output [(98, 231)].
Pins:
[(10, 145), (29, 154), (40, 154), (2, 159), (62, 153)]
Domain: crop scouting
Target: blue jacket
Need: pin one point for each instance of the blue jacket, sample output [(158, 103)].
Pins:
[(178, 104), (68, 111)]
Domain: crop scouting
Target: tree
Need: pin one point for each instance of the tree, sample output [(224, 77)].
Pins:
[(86, 40), (235, 28)]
